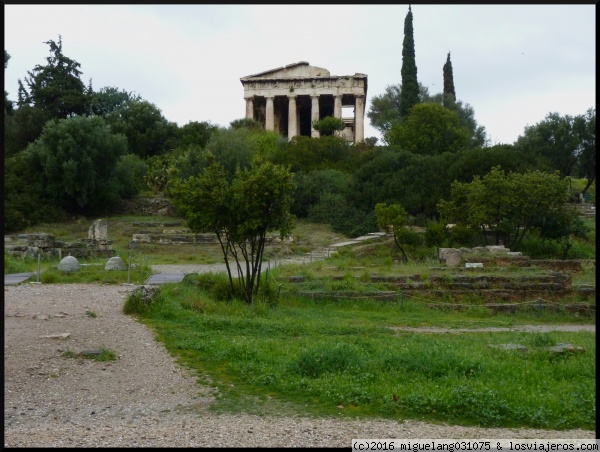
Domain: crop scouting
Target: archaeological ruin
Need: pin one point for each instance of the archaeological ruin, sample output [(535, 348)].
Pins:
[(288, 99)]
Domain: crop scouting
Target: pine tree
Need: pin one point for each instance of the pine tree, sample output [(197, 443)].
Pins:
[(410, 85), (56, 88), (448, 83)]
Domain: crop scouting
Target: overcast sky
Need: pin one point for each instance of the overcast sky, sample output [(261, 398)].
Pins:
[(513, 64)]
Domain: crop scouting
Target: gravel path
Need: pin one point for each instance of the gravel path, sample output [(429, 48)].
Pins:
[(144, 399)]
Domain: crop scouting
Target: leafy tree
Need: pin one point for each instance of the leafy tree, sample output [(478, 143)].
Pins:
[(240, 212), (449, 92), (308, 154), (328, 125), (479, 161), (109, 99), (8, 104), (338, 211), (196, 133), (392, 218), (585, 128), (512, 204), (75, 159), (311, 186), (385, 112), (410, 85), (148, 133), (385, 109), (23, 127), (556, 140), (235, 148), (25, 200), (247, 123), (56, 88), (130, 171), (430, 129)]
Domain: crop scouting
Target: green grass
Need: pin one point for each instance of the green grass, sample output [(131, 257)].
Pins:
[(13, 265), (95, 274), (309, 357)]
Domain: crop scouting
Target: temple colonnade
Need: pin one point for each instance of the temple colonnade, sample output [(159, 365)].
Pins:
[(289, 99)]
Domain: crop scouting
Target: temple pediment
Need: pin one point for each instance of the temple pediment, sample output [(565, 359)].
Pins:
[(296, 70)]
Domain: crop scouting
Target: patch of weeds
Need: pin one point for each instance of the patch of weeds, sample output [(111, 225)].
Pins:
[(69, 354), (103, 354), (91, 314), (541, 340)]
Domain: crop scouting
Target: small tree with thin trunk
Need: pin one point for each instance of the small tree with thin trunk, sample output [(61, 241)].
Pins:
[(240, 213), (392, 219)]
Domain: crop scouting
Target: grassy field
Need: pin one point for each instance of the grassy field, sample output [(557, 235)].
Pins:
[(342, 356)]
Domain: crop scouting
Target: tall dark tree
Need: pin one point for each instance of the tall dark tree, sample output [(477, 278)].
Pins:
[(410, 85), (8, 104), (56, 87), (448, 82), (584, 127)]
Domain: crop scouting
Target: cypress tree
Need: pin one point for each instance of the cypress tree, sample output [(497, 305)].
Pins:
[(410, 86), (448, 83)]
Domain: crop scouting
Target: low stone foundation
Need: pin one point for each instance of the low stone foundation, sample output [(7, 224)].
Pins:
[(30, 245)]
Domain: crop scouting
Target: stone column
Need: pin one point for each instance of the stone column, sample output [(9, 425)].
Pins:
[(292, 117), (249, 108), (314, 116), (270, 115), (337, 107), (337, 112), (359, 114)]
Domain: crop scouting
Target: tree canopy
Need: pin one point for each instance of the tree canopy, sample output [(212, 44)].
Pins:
[(76, 160), (240, 212), (510, 204), (429, 129), (147, 131), (56, 88)]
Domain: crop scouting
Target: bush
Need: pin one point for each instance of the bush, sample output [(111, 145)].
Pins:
[(464, 236), (139, 301), (218, 286), (436, 233), (14, 265)]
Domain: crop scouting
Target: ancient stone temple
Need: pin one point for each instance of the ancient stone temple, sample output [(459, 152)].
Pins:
[(288, 99)]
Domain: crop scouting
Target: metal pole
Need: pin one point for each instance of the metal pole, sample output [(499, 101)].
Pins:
[(38, 267), (129, 271)]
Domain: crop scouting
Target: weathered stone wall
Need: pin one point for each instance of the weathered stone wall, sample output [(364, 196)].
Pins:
[(30, 245)]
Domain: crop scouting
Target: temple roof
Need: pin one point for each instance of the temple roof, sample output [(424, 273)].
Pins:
[(295, 70)]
